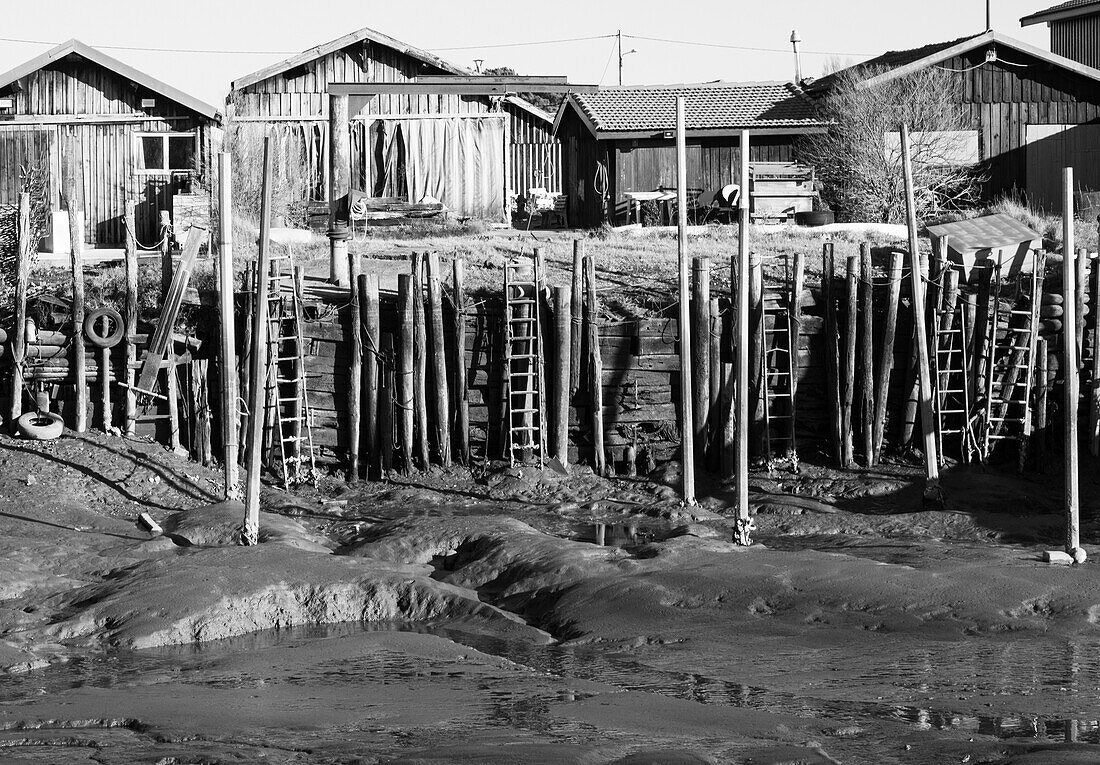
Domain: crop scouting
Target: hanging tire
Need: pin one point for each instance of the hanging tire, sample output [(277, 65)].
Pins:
[(40, 426), (91, 328)]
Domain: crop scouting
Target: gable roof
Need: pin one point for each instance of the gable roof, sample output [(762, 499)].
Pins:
[(901, 63), (371, 35), (107, 62), (710, 108), (1062, 11)]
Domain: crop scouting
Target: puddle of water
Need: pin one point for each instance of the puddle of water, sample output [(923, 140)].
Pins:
[(625, 535)]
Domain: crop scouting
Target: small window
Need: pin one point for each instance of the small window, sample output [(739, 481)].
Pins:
[(168, 152)]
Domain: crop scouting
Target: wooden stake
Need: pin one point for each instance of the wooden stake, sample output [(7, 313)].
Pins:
[(832, 350), (1070, 367), (560, 374), (105, 377), (258, 372), (931, 461), (339, 174), (420, 361), (687, 429), (249, 289), (230, 395), (462, 396), (385, 414), (76, 238), (886, 360), (850, 337), (1042, 389), (166, 268), (405, 387), (714, 420), (798, 285), (369, 309), (355, 368), (130, 313), (439, 360), (740, 335), (867, 354), (729, 382), (577, 307), (1081, 282), (757, 324), (19, 331), (700, 354), (1094, 376), (595, 364), (200, 424)]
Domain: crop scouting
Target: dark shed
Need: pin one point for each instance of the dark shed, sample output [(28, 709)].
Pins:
[(122, 124), (1074, 30), (621, 139), (1032, 112)]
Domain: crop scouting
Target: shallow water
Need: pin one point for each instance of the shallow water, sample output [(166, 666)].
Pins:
[(388, 688)]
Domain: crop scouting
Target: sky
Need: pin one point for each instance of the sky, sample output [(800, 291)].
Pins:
[(732, 40)]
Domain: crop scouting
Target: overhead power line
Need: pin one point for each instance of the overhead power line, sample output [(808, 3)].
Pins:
[(164, 50), (525, 44), (743, 47)]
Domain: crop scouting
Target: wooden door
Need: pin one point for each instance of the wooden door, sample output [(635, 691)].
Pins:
[(1053, 147)]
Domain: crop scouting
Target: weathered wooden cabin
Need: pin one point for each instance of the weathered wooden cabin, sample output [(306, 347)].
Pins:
[(621, 139), (1074, 29), (122, 125), (497, 147), (1031, 112)]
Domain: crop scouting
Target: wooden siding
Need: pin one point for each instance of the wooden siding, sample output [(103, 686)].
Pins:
[(106, 116), (581, 153), (1077, 39), (535, 159)]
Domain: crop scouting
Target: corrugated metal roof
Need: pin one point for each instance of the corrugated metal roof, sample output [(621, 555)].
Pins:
[(708, 106), (1071, 5)]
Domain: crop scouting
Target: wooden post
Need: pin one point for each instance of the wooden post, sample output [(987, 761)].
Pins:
[(130, 314), (439, 360), (462, 397), (931, 461), (740, 335), (1081, 281), (561, 374), (173, 393), (832, 350), (1069, 366), (339, 189), (756, 353), (257, 377), (76, 240), (700, 354), (797, 287), (1042, 388), (595, 364), (230, 395), (1094, 376), (165, 254), (200, 375), (404, 389), (850, 337), (249, 288), (105, 377), (577, 307), (886, 361), (369, 308), (19, 331), (420, 361), (714, 406), (687, 429), (385, 415), (867, 354), (355, 368), (729, 382)]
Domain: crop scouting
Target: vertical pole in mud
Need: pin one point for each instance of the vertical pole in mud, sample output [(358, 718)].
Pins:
[(404, 386), (248, 286), (700, 353), (595, 364), (462, 396), (257, 377), (227, 316), (714, 342), (19, 331), (560, 373), (1042, 388), (420, 402), (439, 360), (355, 367), (577, 303), (1071, 370), (339, 188), (1082, 298), (130, 315), (757, 357), (687, 429), (741, 337), (729, 384), (850, 335), (798, 284), (372, 328), (867, 354), (105, 377), (931, 461), (832, 349), (1094, 376), (385, 415), (76, 237)]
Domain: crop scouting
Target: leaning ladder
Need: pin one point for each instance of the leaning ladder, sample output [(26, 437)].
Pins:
[(1011, 360), (951, 366), (523, 364), (779, 359), (287, 374)]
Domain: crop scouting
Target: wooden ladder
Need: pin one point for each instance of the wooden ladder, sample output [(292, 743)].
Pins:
[(951, 373), (288, 393), (523, 364), (1010, 377), (779, 342)]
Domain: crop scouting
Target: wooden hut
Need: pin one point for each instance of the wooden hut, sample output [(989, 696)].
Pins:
[(122, 125), (508, 138), (1030, 112), (1074, 29)]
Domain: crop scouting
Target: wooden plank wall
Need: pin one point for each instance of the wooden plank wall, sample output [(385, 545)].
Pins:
[(535, 159), (580, 154), (1076, 39)]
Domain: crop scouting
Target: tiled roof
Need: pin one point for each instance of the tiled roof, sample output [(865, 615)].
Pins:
[(1039, 16), (710, 106), (891, 60)]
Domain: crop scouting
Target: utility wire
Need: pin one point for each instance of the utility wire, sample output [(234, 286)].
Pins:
[(165, 50), (525, 44), (743, 47)]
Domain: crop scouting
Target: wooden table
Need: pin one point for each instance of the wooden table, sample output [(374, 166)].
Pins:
[(661, 196)]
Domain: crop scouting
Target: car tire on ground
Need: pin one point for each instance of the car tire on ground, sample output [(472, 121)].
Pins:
[(40, 426)]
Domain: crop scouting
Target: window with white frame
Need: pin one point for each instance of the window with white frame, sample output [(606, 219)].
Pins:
[(160, 153)]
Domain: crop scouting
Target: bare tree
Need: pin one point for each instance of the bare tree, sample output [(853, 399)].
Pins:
[(858, 160)]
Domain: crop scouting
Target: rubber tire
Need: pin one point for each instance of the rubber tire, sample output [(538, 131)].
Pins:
[(92, 331), (30, 428)]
